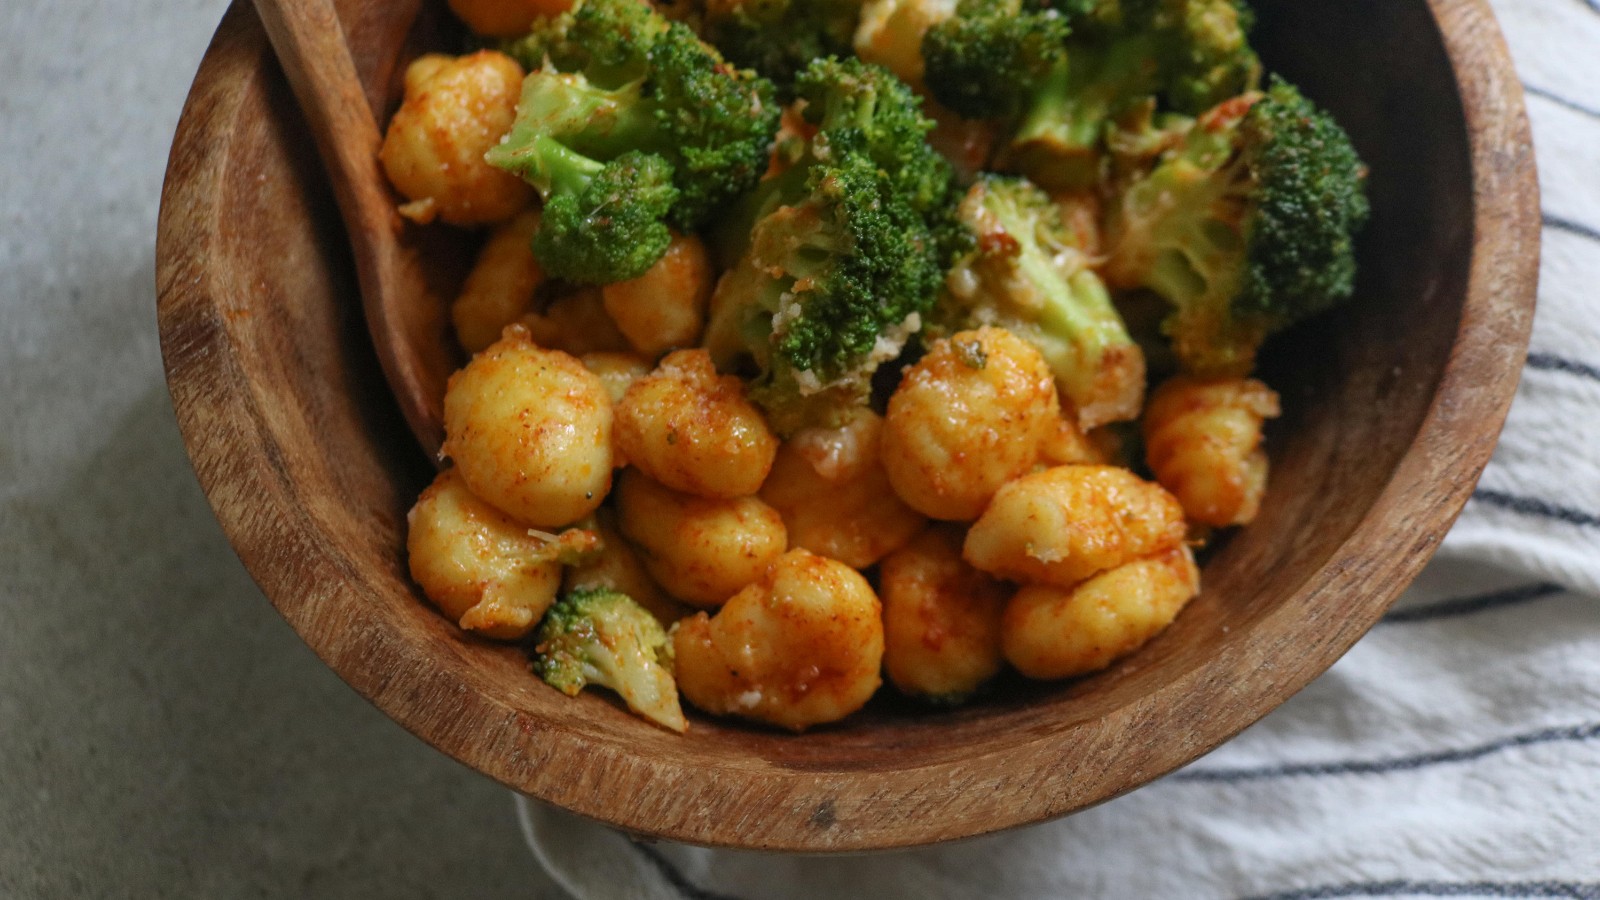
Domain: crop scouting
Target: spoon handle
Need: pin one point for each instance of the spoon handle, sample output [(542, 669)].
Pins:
[(312, 49), (310, 44)]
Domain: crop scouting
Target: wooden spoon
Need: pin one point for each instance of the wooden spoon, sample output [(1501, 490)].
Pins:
[(406, 325)]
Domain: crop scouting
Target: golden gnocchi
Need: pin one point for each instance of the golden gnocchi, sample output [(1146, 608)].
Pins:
[(485, 570), (664, 308), (505, 18), (702, 550), (530, 431), (1054, 632), (454, 110), (941, 619), (1064, 524), (694, 430), (967, 419), (801, 646), (500, 288), (835, 498), (1202, 440)]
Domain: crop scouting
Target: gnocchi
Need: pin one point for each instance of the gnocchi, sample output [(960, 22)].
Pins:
[(617, 371), (530, 431), (701, 550), (454, 110), (694, 430), (666, 306), (1202, 439), (505, 18), (1064, 524), (1054, 632), (941, 619), (965, 420), (1067, 445), (800, 647), (834, 496), (501, 286), (575, 323), (482, 568)]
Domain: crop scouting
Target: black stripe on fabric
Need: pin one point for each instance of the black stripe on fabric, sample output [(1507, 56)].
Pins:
[(1569, 226), (677, 879), (1462, 606), (1559, 100), (1571, 734), (1580, 890), (1533, 506), (1549, 362)]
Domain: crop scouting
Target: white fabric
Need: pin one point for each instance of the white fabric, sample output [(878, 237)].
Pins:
[(1455, 751)]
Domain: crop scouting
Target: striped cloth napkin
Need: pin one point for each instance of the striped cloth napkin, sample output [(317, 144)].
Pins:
[(1454, 752)]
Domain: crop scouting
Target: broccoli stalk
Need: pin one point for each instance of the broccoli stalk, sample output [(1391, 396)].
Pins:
[(602, 637), (1028, 276), (845, 254), (1245, 229), (630, 125), (1059, 140)]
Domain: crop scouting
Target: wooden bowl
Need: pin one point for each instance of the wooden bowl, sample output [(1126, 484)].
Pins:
[(1392, 407)]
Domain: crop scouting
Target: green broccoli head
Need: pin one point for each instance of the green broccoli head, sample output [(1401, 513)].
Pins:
[(1056, 74), (1028, 275), (1207, 58), (983, 61), (614, 224), (779, 38), (1245, 229), (718, 124), (845, 250), (830, 288), (632, 83), (1060, 74), (602, 637), (609, 42), (860, 108), (547, 44)]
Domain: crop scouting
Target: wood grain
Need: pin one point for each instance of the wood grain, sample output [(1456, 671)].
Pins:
[(1392, 408), (405, 321)]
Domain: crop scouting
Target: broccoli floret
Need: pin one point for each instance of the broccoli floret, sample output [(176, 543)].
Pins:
[(830, 288), (642, 105), (1028, 275), (982, 61), (859, 107), (1206, 53), (602, 220), (1059, 74), (603, 637), (845, 253), (779, 38), (1245, 229), (1019, 62)]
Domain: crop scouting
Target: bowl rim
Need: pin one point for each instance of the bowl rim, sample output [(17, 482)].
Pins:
[(747, 808)]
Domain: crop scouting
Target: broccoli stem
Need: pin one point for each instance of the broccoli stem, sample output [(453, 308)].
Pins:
[(1059, 141), (553, 167), (1084, 311)]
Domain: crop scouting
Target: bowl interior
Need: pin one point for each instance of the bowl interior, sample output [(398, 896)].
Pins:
[(311, 470)]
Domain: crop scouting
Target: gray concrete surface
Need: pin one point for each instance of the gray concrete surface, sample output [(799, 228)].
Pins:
[(162, 732)]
